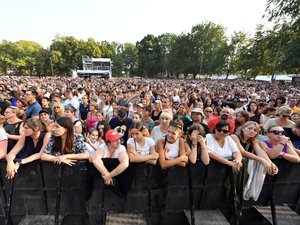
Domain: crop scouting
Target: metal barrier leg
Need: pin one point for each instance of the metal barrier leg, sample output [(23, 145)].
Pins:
[(164, 195), (191, 193), (58, 195), (9, 202), (102, 204), (3, 197), (271, 200), (43, 187), (149, 184), (233, 198)]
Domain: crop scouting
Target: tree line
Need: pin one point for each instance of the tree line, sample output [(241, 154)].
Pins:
[(204, 50)]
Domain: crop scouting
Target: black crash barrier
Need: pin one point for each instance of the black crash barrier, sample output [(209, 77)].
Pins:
[(162, 195), (42, 188)]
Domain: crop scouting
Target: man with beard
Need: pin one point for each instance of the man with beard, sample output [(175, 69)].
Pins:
[(224, 115)]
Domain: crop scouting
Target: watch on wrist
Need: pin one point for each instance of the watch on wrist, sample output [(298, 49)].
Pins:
[(19, 161)]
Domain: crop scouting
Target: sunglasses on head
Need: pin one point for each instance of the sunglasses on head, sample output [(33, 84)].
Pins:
[(222, 130), (277, 132)]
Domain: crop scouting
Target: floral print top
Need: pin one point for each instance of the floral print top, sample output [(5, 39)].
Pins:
[(78, 145)]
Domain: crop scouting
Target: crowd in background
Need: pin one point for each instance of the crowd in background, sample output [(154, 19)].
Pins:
[(172, 122)]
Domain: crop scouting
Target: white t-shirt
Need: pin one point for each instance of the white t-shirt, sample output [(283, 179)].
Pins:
[(117, 152), (157, 134), (3, 135), (226, 151), (142, 150), (91, 150), (108, 110)]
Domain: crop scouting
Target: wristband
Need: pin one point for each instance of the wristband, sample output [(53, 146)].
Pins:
[(19, 161)]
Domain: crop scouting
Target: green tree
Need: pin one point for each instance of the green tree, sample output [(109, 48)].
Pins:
[(149, 56), (66, 53), (283, 9)]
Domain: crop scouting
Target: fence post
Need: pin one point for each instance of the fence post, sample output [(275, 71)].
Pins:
[(58, 195)]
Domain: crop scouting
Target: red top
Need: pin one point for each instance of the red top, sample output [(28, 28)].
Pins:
[(213, 122)]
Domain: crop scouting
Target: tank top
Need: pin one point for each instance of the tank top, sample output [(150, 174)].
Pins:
[(91, 122), (247, 146), (271, 146), (153, 117), (173, 149), (255, 118), (29, 148), (13, 129)]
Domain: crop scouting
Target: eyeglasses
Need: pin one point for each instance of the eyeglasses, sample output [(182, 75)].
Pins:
[(7, 112), (277, 132), (222, 130)]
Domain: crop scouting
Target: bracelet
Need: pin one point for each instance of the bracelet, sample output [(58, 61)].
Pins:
[(283, 154)]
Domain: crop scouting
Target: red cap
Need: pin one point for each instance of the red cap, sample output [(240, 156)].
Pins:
[(112, 135)]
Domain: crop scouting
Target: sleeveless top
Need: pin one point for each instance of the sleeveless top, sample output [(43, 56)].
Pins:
[(271, 146), (153, 117), (173, 149), (255, 118), (247, 146), (29, 148), (91, 122), (13, 129)]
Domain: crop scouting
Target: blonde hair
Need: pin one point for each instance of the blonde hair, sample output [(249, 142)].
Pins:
[(166, 114), (283, 110), (15, 110), (62, 110), (240, 131), (94, 104)]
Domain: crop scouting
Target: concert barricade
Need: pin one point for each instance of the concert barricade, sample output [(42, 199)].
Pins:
[(77, 194)]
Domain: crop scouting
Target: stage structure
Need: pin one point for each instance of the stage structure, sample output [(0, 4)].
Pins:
[(96, 67)]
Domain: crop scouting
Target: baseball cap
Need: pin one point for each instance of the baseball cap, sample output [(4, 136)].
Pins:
[(45, 111), (122, 113), (112, 135)]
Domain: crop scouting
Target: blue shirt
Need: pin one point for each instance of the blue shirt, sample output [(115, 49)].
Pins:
[(33, 110)]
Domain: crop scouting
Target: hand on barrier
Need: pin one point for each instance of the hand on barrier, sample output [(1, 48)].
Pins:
[(63, 159), (10, 170), (236, 165), (107, 178)]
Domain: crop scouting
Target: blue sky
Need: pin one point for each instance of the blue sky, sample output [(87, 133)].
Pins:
[(122, 21)]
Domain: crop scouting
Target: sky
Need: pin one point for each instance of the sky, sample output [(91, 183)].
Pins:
[(122, 20)]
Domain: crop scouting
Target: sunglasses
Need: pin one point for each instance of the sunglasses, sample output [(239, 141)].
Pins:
[(276, 132), (209, 111), (222, 130), (286, 116)]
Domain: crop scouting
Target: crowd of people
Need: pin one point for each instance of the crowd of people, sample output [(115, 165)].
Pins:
[(170, 122)]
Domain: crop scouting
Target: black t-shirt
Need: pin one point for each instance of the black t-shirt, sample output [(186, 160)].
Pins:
[(116, 123), (293, 137)]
